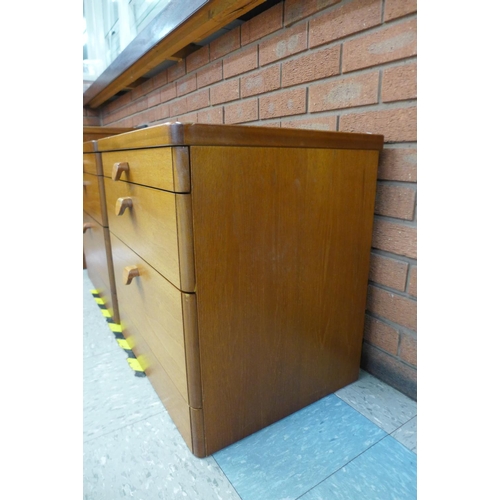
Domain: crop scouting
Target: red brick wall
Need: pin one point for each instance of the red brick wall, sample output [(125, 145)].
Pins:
[(91, 117), (347, 65)]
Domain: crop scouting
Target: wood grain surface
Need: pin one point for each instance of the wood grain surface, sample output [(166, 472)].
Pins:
[(177, 133), (149, 167), (96, 249), (92, 203), (149, 228), (282, 245), (89, 163), (151, 314)]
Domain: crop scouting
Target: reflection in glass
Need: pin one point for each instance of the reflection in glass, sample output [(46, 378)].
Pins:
[(108, 27)]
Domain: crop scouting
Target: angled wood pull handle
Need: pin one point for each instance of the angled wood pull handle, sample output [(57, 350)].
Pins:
[(87, 225), (118, 169), (129, 273), (86, 183), (122, 204)]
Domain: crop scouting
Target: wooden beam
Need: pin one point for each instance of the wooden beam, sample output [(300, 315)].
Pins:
[(132, 64)]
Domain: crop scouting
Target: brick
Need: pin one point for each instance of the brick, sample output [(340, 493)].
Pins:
[(399, 8), (116, 104), (388, 44), (112, 117), (397, 125), (154, 98), (381, 335), (91, 121), (344, 93), (224, 44), (388, 272), (390, 370), (262, 25), (124, 100), (290, 41), (138, 120), (168, 92), (162, 112), (186, 85), (225, 92), (128, 110), (295, 10), (311, 66), (408, 349), (289, 102), (148, 116), (398, 165), (240, 62), (209, 74), (395, 201), (240, 112), (269, 124), (135, 94), (106, 120), (412, 284), (189, 118), (125, 123), (178, 107), (198, 100), (91, 112), (345, 20), (176, 71), (160, 79), (394, 307), (147, 86), (328, 123), (211, 115), (197, 59), (141, 104), (399, 83), (395, 238), (261, 81)]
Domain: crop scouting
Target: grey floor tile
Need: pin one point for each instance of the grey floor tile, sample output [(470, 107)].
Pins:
[(148, 460), (407, 434), (113, 396), (379, 402), (387, 471), (288, 458)]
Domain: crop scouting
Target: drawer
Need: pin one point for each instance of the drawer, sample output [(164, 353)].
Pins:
[(162, 168), (151, 315), (157, 226), (96, 246), (90, 163), (93, 199)]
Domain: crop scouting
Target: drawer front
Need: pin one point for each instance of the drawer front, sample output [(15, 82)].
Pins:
[(92, 197), (162, 168), (151, 315), (90, 163), (96, 249), (153, 227)]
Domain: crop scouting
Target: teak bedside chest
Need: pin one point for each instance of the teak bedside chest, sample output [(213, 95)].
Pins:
[(241, 256)]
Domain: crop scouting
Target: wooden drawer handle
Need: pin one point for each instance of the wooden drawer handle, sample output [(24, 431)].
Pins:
[(122, 204), (87, 225), (86, 183), (129, 273), (118, 169)]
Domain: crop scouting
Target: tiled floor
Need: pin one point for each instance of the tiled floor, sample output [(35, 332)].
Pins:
[(359, 443)]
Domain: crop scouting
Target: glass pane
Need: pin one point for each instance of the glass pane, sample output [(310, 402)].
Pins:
[(109, 26)]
